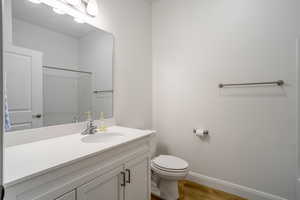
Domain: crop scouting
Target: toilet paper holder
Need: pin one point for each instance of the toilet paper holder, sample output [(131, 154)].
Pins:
[(200, 132)]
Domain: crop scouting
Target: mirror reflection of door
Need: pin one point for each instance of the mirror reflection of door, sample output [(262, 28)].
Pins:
[(23, 86)]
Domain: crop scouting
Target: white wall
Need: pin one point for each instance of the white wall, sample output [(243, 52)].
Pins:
[(130, 23), (7, 22), (198, 44), (49, 42), (95, 55)]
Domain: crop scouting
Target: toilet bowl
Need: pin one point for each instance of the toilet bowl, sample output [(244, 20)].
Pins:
[(169, 169)]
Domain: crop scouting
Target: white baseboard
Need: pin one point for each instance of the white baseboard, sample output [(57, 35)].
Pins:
[(232, 188)]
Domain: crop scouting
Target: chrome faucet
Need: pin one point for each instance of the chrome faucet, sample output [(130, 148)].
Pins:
[(90, 129)]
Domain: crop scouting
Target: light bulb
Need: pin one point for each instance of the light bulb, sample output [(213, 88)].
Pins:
[(35, 1), (92, 8), (59, 11), (79, 20)]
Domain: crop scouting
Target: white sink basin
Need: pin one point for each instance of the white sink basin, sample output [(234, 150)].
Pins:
[(102, 137)]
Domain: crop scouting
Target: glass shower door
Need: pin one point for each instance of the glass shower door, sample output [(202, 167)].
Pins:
[(67, 95)]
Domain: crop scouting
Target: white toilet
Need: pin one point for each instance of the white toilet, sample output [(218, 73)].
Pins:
[(169, 169)]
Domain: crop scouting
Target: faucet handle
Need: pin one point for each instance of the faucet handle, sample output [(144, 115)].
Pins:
[(75, 119)]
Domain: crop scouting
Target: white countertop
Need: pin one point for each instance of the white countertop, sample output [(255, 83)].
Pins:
[(25, 161)]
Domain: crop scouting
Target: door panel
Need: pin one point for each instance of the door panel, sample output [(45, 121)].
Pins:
[(23, 71), (106, 187), (18, 72), (68, 196), (138, 179)]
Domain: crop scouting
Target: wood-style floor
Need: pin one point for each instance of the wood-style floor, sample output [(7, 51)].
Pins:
[(192, 191), (154, 198)]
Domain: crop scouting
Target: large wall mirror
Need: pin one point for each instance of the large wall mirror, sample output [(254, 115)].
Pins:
[(56, 69)]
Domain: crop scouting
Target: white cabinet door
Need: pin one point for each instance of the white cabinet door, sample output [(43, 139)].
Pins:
[(23, 70), (105, 187), (68, 196), (137, 179)]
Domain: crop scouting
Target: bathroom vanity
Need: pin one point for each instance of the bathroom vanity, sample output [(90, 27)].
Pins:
[(114, 165), (58, 66)]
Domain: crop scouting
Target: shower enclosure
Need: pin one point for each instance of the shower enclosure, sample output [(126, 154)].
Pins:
[(67, 95)]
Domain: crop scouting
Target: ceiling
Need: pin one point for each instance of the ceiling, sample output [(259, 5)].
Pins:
[(43, 15)]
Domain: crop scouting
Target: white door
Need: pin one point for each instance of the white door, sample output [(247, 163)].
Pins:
[(68, 196), (137, 179), (105, 187), (24, 79)]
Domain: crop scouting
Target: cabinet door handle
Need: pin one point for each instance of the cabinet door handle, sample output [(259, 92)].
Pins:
[(38, 116), (129, 176), (123, 177), (2, 192)]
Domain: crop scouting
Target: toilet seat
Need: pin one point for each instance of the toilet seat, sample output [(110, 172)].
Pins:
[(167, 170), (156, 168), (169, 174), (170, 163), (170, 167)]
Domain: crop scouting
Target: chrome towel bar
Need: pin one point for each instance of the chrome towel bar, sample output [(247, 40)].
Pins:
[(277, 83), (65, 69), (103, 91)]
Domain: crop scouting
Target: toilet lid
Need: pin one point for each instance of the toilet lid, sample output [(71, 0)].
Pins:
[(170, 162), (154, 167)]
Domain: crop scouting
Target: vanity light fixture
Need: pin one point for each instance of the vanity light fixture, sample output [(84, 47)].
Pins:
[(92, 8), (35, 1), (79, 20), (59, 11), (80, 10)]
